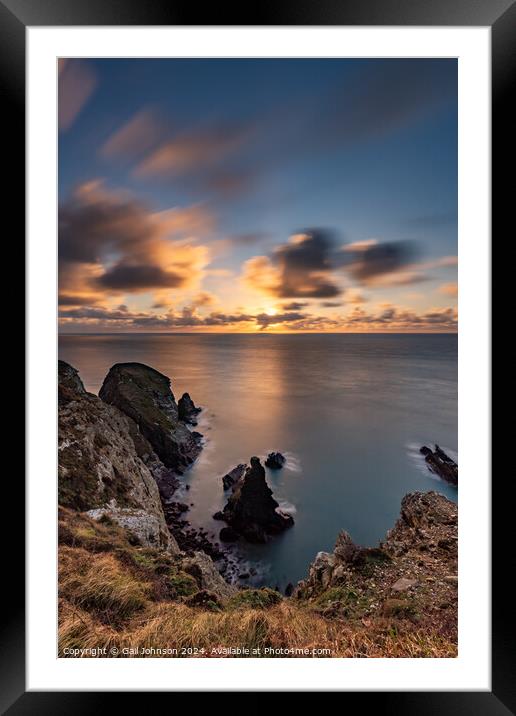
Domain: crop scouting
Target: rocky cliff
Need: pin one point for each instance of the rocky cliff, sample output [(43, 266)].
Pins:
[(101, 463), (412, 573), (109, 474)]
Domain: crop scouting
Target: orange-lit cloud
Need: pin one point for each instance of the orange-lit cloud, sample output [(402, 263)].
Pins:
[(354, 296), (77, 82), (394, 318), (360, 245), (301, 268), (111, 244), (191, 318), (449, 289)]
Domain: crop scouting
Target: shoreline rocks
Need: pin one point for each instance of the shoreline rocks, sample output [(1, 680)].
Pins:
[(233, 476), (441, 464), (69, 382), (251, 510), (228, 534), (201, 567)]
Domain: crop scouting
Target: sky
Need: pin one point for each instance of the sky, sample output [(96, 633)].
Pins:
[(252, 195)]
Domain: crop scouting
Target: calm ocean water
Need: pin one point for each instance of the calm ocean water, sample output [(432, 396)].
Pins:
[(349, 411)]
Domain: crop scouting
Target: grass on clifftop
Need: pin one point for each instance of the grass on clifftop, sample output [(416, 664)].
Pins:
[(117, 595)]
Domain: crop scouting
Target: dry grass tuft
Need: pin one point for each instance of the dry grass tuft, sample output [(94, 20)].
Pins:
[(192, 632), (100, 584)]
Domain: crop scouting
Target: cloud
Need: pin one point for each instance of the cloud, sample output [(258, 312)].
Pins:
[(310, 265), (192, 152), (373, 262), (77, 82), (449, 289), (354, 296), (125, 277), (121, 317), (137, 136), (203, 299), (441, 262), (208, 159), (66, 299), (357, 246), (388, 318), (109, 242), (104, 314), (295, 306), (301, 268), (264, 320), (396, 318)]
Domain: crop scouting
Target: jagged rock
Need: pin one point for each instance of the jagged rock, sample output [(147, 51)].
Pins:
[(99, 463), (441, 464), (233, 476), (218, 515), (203, 570), (251, 510), (275, 460), (321, 569), (186, 409), (420, 511), (144, 395), (345, 549), (69, 382)]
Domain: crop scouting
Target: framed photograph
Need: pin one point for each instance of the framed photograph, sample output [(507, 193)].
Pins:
[(258, 270)]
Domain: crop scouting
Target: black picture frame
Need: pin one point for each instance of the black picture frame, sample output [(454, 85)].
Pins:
[(500, 15)]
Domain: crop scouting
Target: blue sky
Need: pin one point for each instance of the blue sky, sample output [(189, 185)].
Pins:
[(223, 194)]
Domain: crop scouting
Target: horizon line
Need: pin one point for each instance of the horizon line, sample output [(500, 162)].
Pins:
[(259, 333)]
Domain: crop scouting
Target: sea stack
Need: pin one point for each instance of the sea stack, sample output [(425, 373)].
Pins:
[(275, 461), (251, 509), (145, 395), (187, 410)]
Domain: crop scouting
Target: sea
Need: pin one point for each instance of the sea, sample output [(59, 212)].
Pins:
[(348, 411)]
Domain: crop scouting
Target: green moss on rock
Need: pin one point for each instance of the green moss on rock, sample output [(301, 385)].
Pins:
[(255, 599)]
